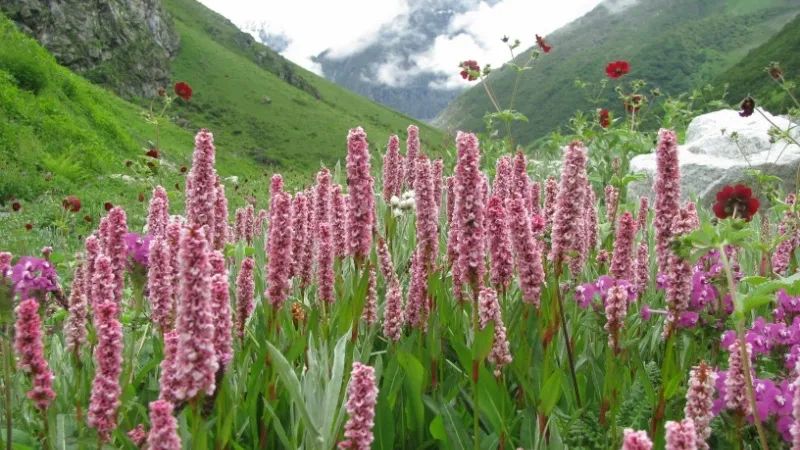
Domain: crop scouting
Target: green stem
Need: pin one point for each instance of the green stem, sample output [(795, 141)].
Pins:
[(557, 290), (7, 383), (475, 370)]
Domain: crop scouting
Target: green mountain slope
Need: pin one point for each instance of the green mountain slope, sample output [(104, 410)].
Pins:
[(747, 77), (674, 45)]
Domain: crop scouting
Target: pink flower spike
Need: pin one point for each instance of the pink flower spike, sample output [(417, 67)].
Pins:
[(501, 257), (159, 284), (569, 234), (245, 293), (222, 321), (680, 435), (168, 384), (528, 251), (201, 186), (668, 190), (392, 183), (700, 401), (591, 219), (616, 310), (164, 427), (612, 202), (735, 383), (437, 173), (113, 245), (795, 427), (412, 150), (679, 275), (322, 198), (260, 220), (641, 218), (385, 261), (417, 306), (427, 214), (489, 310), (362, 204), (92, 247), (622, 260), (362, 395), (536, 199), (301, 230), (450, 184), (642, 278), (325, 275), (393, 311), (370, 313), (29, 348), (503, 178), (239, 225), (550, 196), (137, 435), (76, 318), (469, 210), (249, 224), (520, 181), (158, 215), (105, 386), (279, 251), (636, 440), (339, 221)]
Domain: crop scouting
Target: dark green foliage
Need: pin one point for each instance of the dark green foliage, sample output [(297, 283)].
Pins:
[(29, 72)]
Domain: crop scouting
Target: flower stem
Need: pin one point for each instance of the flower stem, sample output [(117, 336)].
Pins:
[(557, 289), (475, 369), (7, 385)]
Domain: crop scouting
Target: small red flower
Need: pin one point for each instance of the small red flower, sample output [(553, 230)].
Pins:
[(634, 103), (747, 107), (737, 202), (16, 206), (183, 169), (467, 67), (617, 69), (128, 163), (605, 119), (71, 203), (183, 90), (141, 197), (541, 42), (28, 226), (153, 153), (87, 219), (252, 200), (108, 206)]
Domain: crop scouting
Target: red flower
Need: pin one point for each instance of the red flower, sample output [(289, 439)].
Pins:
[(634, 103), (469, 66), (108, 206), (737, 202), (748, 106), (183, 169), (605, 119), (153, 153), (183, 90), (28, 226), (71, 203), (16, 206), (141, 197), (87, 219), (545, 48), (617, 69)]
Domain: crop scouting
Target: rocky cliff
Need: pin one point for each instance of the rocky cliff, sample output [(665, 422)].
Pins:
[(125, 45)]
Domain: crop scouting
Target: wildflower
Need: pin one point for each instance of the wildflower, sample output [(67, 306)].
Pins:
[(737, 202), (245, 293), (392, 181), (668, 190), (370, 312), (622, 263), (603, 257), (195, 361), (16, 206), (617, 69), (642, 275), (29, 348), (168, 384), (322, 199), (536, 200), (201, 186), (634, 103), (469, 209), (641, 217), (590, 209), (108, 206), (529, 256), (362, 208), (153, 153), (222, 323), (183, 90), (450, 184), (221, 230), (468, 69), (568, 234), (158, 213), (437, 169), (33, 277), (325, 275), (427, 213), (258, 227), (550, 195), (159, 284), (362, 395), (416, 308), (775, 71), (489, 310), (679, 273), (747, 107), (520, 181), (105, 386), (393, 311), (616, 310), (680, 435), (279, 250), (163, 427), (76, 318), (412, 150), (28, 226), (71, 204), (735, 384), (542, 44), (501, 257), (700, 400), (138, 436), (301, 230), (636, 440), (795, 427), (604, 118)]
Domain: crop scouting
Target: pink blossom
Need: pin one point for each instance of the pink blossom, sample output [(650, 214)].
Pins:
[(612, 202), (158, 215), (795, 428), (322, 198), (437, 173), (163, 427), (385, 260), (700, 401), (201, 186), (602, 258), (301, 230), (668, 190), (5, 263), (362, 395), (339, 221), (108, 354), (245, 293), (325, 273), (503, 178), (138, 436), (529, 254), (113, 245), (536, 200), (735, 383), (239, 225), (392, 183), (92, 247), (427, 213), (591, 219), (393, 311), (520, 181), (412, 150), (168, 384), (489, 310), (362, 207), (450, 184), (103, 285), (679, 275), (222, 321), (249, 224), (29, 348), (501, 257), (174, 230), (370, 313), (569, 233), (680, 435), (196, 361), (616, 310), (636, 440), (550, 196), (275, 187), (76, 318), (783, 253), (259, 225), (216, 260), (469, 210), (641, 218), (159, 283), (642, 278), (691, 208), (622, 261), (417, 306), (280, 251)]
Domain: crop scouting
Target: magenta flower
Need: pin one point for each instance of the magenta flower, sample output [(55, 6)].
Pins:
[(168, 384), (412, 150), (106, 389), (520, 181), (616, 310), (33, 277), (201, 189), (322, 198), (501, 257), (370, 313), (795, 427), (668, 190), (29, 348), (280, 248), (469, 210), (700, 401), (158, 215), (450, 184), (393, 311), (221, 227), (362, 395), (417, 306), (325, 274), (137, 435), (92, 247), (76, 318), (550, 196), (113, 230), (137, 248), (362, 207), (735, 383), (591, 219), (300, 227), (503, 178), (612, 202), (642, 277), (679, 275), (529, 253), (163, 427), (641, 218), (636, 440), (680, 435), (245, 293), (622, 261), (196, 361), (392, 181), (222, 321), (569, 234), (536, 200), (427, 214), (489, 310), (339, 221)]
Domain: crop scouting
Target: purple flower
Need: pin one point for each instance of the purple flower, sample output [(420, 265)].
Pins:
[(138, 248), (32, 276)]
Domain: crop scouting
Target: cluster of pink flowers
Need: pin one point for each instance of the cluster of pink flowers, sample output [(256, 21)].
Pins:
[(158, 215), (735, 382), (641, 217), (680, 435), (501, 256), (279, 250), (302, 247), (370, 312), (385, 260), (622, 261), (159, 282), (164, 427), (528, 251), (168, 384), (616, 310), (569, 234), (520, 183), (469, 210), (108, 353), (612, 202), (362, 395), (412, 150), (245, 294), (416, 309), (339, 220), (636, 440), (393, 310), (700, 401), (29, 348), (392, 170), (427, 213), (362, 204), (221, 318), (76, 318), (322, 198), (113, 230), (668, 190), (679, 275), (489, 310), (222, 231), (450, 186), (201, 186), (642, 277), (437, 173), (91, 253), (787, 227), (325, 273), (591, 219), (550, 196)]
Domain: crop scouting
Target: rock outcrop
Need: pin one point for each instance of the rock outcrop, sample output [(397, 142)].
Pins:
[(720, 148), (125, 45)]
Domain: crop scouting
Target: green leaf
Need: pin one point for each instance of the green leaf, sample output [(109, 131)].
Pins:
[(456, 432), (483, 342), (551, 392), (413, 385), (437, 429), (289, 378), (276, 425), (335, 385), (384, 424)]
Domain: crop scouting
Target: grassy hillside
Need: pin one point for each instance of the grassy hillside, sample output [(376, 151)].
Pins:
[(675, 45), (747, 77)]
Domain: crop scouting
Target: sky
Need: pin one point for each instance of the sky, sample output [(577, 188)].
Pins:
[(306, 28)]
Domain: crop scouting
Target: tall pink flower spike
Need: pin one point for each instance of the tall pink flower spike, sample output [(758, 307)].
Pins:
[(325, 274), (159, 284), (158, 215), (503, 178), (501, 256), (427, 213), (76, 317), (362, 395), (279, 251), (362, 203), (700, 401), (622, 260), (392, 181), (668, 190), (636, 440), (164, 427), (201, 185), (29, 348), (489, 310), (529, 253), (412, 150), (569, 234), (469, 210), (680, 435), (245, 294)]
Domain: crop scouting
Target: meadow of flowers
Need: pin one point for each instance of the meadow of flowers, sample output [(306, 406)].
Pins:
[(424, 304)]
